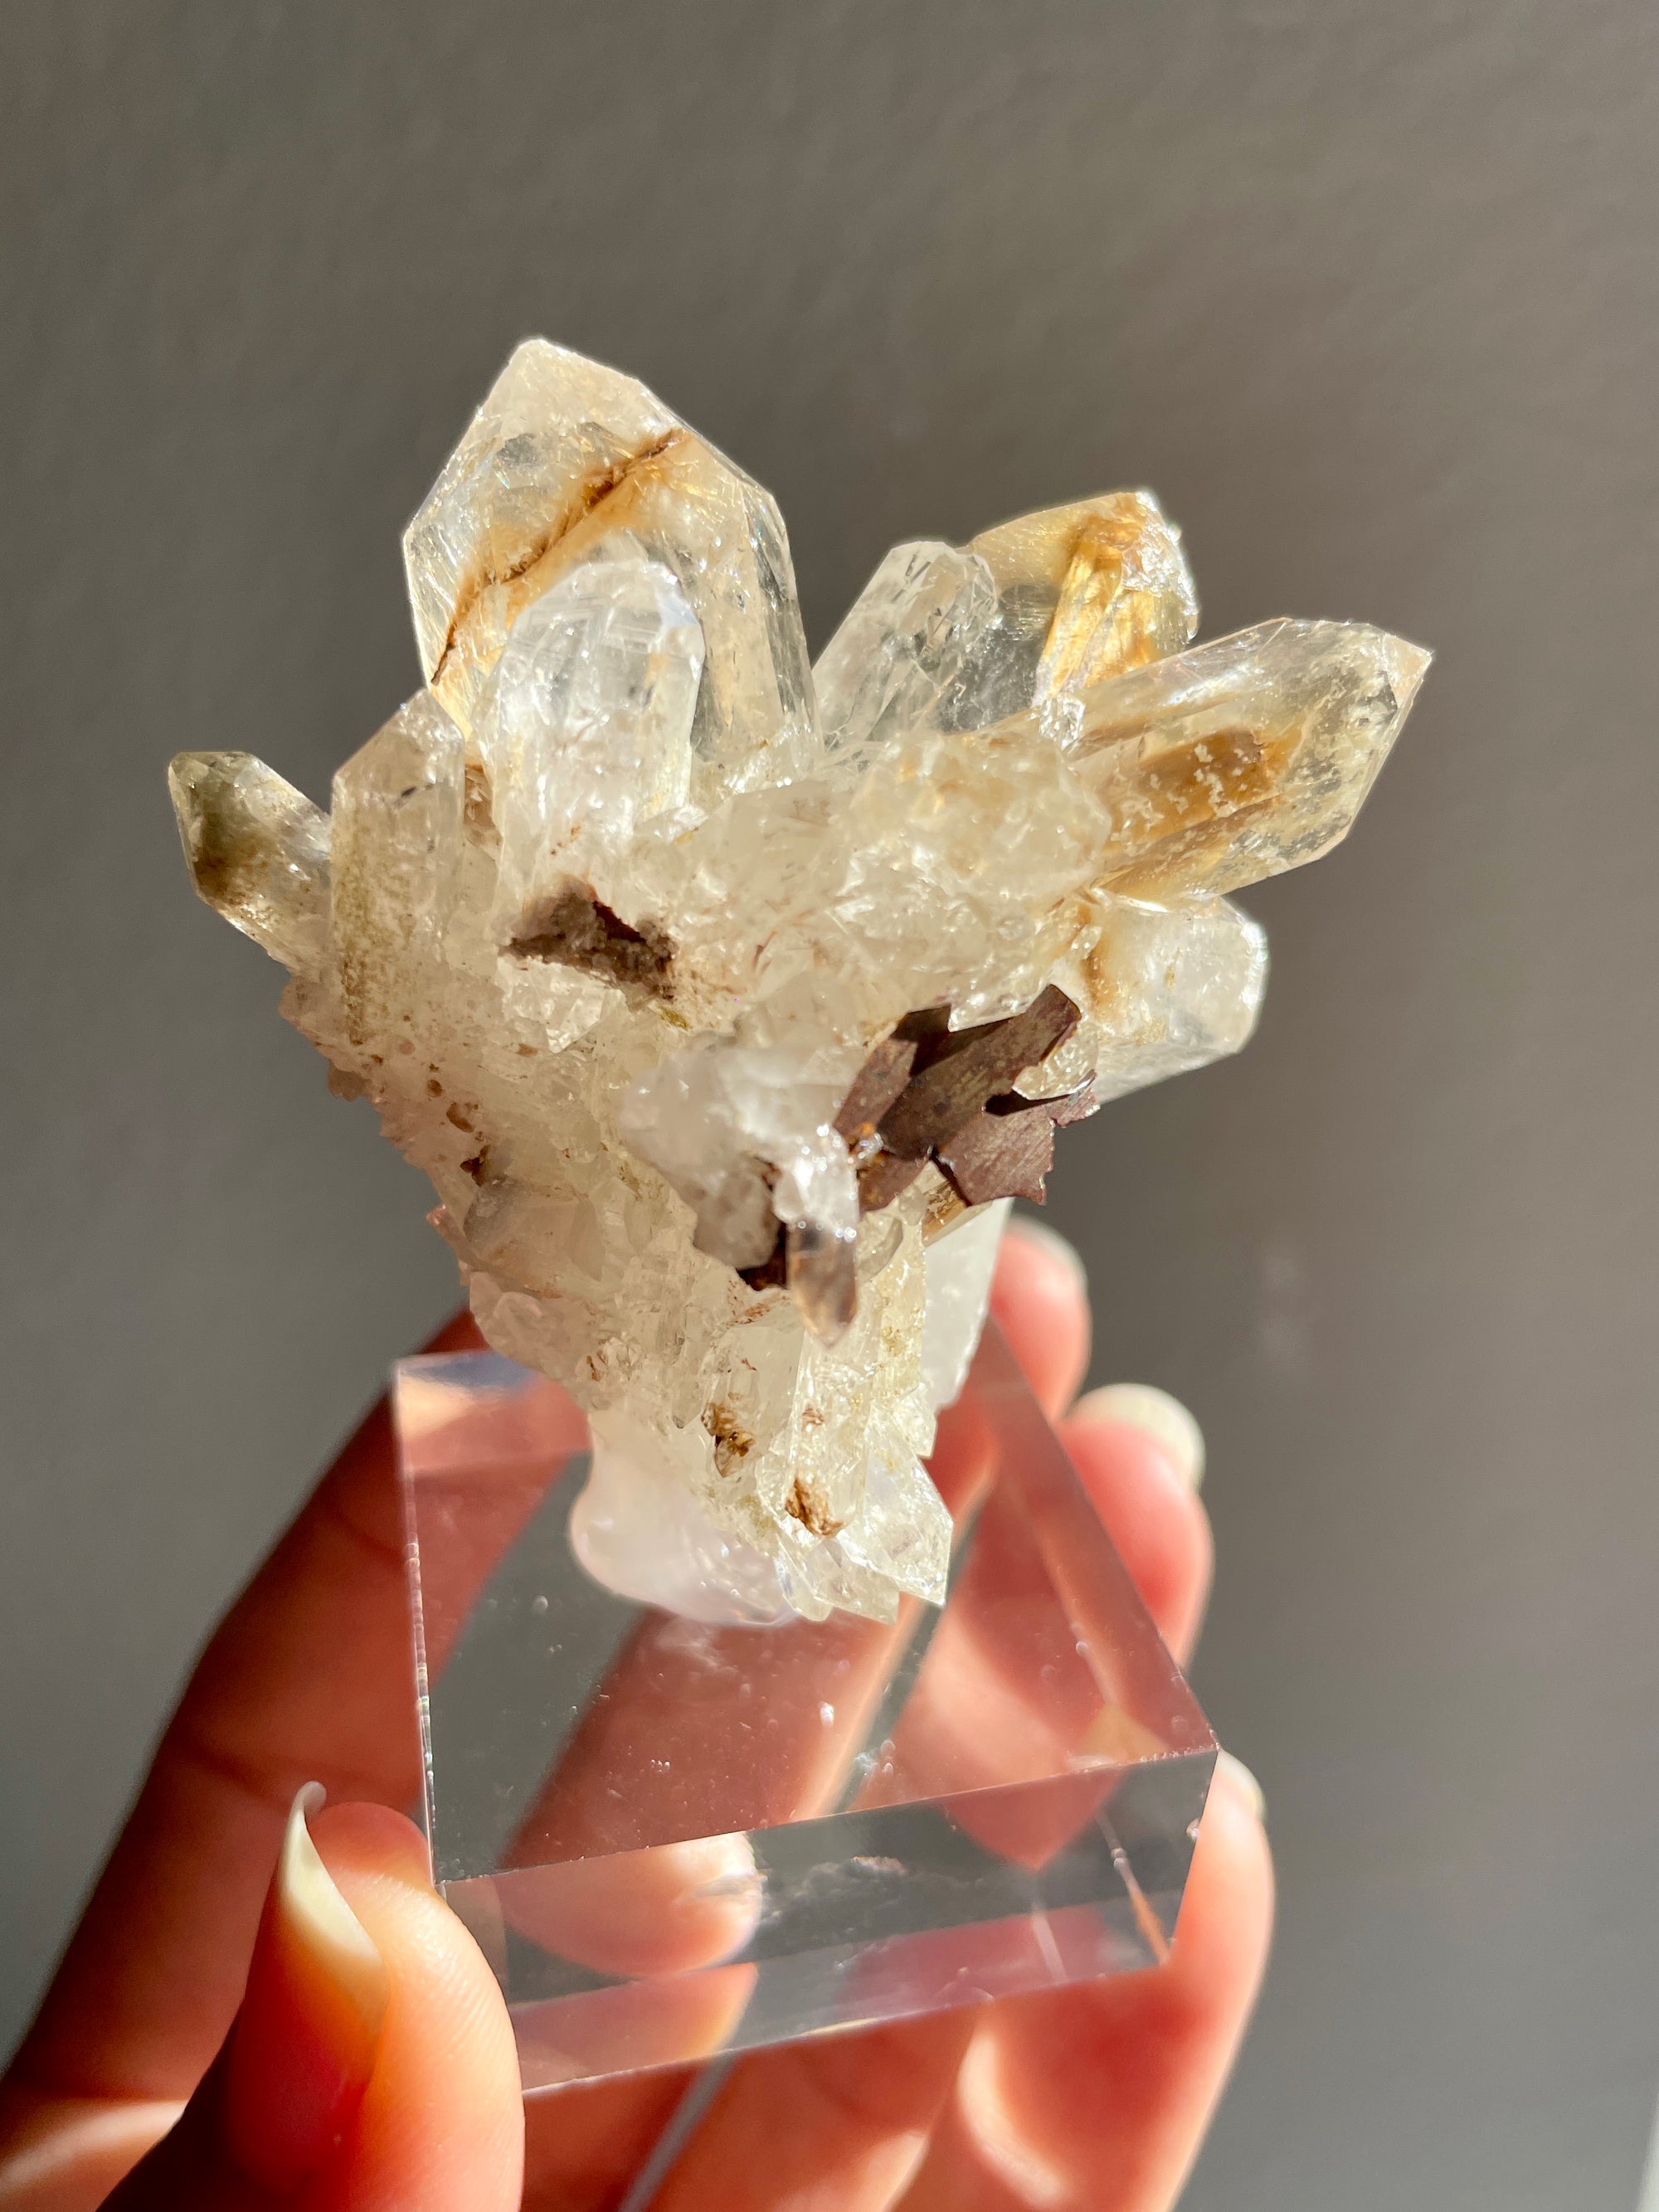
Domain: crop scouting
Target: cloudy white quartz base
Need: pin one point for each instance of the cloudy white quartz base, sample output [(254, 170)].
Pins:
[(640, 1532)]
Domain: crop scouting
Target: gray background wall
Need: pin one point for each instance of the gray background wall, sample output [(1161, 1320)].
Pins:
[(1368, 293)]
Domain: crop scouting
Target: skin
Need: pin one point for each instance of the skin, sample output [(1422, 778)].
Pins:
[(404, 2093)]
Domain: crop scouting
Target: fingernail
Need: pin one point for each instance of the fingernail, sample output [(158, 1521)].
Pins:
[(1243, 1781), (1051, 1241), (303, 2046), (1163, 1418)]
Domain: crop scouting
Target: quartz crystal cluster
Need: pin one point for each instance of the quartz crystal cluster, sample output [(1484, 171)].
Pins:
[(725, 998)]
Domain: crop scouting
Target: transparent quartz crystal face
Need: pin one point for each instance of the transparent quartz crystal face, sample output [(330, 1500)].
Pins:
[(553, 435), (902, 645), (1244, 757), (258, 852), (565, 459), (951, 638), (1163, 990), (1083, 593), (726, 1007), (585, 730)]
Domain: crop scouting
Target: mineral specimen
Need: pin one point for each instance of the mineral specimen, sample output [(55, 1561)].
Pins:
[(727, 1002)]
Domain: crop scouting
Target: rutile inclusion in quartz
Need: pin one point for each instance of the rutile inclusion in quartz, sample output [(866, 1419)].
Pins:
[(726, 999)]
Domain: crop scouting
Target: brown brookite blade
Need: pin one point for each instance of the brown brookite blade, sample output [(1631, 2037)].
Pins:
[(882, 1177), (1075, 1106), (875, 1087), (969, 1067), (1005, 1155)]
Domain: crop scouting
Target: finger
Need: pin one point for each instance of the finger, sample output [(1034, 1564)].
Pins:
[(1139, 1456), (665, 1911), (1040, 1300), (838, 2125), (371, 2063), (442, 2125), (1095, 2099), (306, 1678), (584, 2145), (632, 2028), (61, 2154)]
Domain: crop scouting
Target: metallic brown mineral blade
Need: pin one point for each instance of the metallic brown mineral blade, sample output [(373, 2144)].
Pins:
[(882, 1179), (1006, 1155), (969, 1068), (875, 1087), (1075, 1106)]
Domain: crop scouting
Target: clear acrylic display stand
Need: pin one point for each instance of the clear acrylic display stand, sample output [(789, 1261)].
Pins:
[(674, 1841)]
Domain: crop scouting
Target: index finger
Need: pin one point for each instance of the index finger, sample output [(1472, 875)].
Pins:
[(307, 1679)]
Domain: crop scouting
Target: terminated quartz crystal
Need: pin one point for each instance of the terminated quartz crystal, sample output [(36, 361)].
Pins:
[(727, 1003)]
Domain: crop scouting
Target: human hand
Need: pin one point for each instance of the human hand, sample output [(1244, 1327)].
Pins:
[(371, 2063)]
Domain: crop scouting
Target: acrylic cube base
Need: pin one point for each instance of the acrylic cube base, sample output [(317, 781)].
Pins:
[(673, 1841)]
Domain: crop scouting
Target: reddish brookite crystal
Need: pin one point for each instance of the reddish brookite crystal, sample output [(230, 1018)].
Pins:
[(726, 1002)]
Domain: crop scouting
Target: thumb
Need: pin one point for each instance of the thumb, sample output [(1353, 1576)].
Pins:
[(371, 2063)]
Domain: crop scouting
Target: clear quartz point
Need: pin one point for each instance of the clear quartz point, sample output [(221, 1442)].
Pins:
[(1082, 591), (1244, 757), (564, 458), (645, 947), (397, 814), (902, 645), (1163, 990), (586, 730), (554, 435), (257, 853)]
